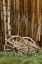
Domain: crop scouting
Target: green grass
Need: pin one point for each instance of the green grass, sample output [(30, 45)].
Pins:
[(10, 58)]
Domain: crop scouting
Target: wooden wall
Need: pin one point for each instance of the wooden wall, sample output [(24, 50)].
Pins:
[(23, 17), (27, 16)]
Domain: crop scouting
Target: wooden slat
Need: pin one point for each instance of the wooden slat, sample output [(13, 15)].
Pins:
[(8, 13), (39, 21), (26, 17), (17, 16), (4, 13)]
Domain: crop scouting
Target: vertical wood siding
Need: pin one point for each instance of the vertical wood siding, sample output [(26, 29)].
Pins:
[(25, 18), (22, 17)]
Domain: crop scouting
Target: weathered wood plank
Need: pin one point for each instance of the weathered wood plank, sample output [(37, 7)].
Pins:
[(39, 21), (8, 16), (4, 11), (17, 16)]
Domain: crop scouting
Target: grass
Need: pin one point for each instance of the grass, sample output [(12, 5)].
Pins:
[(10, 58)]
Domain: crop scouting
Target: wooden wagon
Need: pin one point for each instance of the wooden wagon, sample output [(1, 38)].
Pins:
[(17, 43)]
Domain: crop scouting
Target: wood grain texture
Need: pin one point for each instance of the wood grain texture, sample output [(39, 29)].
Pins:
[(22, 17)]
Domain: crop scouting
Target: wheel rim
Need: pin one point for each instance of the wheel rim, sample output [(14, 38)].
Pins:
[(29, 40), (15, 41)]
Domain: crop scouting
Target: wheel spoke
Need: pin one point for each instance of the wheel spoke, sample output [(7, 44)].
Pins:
[(8, 49), (9, 45), (8, 41)]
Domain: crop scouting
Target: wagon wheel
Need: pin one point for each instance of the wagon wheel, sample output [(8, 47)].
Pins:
[(29, 40), (31, 49), (15, 43)]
